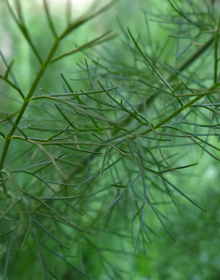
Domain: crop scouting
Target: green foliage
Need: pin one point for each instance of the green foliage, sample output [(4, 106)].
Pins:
[(91, 174)]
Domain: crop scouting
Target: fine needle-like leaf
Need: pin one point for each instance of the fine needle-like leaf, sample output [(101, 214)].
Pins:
[(13, 86), (9, 251), (25, 33), (7, 232), (103, 161), (141, 226), (9, 208), (72, 93), (216, 52), (97, 174), (139, 231), (42, 259), (9, 70), (141, 171), (158, 145), (119, 104), (52, 28), (148, 61), (89, 74), (30, 224), (138, 212), (48, 185), (85, 19), (69, 122), (179, 191), (60, 256), (191, 138), (79, 100), (119, 186), (109, 208), (52, 159), (54, 238), (85, 46), (184, 50), (52, 210), (155, 211), (145, 231)]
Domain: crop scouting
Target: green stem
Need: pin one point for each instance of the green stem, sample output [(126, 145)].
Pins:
[(180, 109), (24, 106)]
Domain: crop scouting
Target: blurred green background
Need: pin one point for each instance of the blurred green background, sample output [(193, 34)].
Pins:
[(196, 254)]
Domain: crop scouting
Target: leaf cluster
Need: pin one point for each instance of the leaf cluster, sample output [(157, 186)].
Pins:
[(108, 150)]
